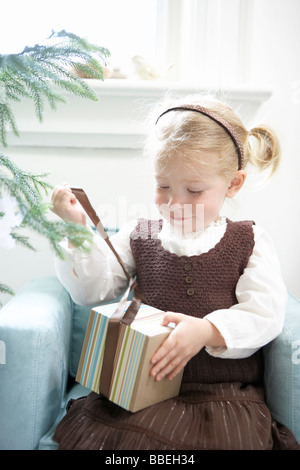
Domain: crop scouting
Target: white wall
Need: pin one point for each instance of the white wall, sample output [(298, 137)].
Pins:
[(275, 61), (78, 146)]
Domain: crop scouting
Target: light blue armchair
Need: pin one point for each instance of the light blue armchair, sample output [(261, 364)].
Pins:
[(41, 334)]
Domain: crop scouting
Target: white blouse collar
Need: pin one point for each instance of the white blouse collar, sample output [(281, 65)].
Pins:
[(168, 230), (193, 243)]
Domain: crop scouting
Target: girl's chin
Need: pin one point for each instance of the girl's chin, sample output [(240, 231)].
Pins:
[(187, 225)]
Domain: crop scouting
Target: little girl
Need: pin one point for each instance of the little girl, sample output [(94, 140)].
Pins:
[(218, 281)]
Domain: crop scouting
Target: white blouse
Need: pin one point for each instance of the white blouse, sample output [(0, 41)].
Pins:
[(254, 321)]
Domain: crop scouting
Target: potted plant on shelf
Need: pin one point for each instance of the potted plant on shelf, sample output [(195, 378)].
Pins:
[(37, 73)]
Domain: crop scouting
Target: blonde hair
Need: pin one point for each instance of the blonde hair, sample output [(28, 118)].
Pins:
[(188, 134)]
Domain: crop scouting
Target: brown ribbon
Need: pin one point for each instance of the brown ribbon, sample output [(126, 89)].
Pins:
[(118, 315), (87, 206)]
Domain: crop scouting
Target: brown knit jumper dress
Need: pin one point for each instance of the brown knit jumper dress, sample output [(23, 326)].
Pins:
[(221, 403)]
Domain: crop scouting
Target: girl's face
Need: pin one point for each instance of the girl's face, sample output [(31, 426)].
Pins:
[(189, 198)]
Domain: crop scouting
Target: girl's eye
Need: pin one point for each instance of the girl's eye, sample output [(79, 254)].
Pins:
[(195, 192), (162, 187)]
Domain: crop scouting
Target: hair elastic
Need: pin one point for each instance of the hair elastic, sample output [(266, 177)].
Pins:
[(218, 119)]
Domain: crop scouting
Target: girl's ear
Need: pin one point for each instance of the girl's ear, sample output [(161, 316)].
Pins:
[(236, 183)]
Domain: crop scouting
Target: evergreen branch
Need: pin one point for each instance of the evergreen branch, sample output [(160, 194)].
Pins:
[(55, 231), (4, 289), (23, 183), (32, 72), (6, 117), (28, 189), (22, 240)]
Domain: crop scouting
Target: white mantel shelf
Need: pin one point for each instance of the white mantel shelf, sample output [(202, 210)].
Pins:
[(152, 88), (115, 120)]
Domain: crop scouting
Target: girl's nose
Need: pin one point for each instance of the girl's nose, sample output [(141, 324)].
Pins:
[(175, 201), (175, 206)]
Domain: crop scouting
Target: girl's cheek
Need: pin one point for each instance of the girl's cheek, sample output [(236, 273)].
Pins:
[(159, 199)]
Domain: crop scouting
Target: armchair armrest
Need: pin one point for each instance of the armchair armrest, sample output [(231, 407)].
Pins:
[(35, 329), (282, 370)]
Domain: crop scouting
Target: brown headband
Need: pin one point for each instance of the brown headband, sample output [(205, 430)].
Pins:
[(218, 119)]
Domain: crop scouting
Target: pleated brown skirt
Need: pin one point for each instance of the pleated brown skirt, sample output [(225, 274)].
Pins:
[(212, 417)]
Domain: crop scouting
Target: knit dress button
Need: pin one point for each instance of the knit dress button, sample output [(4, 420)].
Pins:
[(187, 266), (190, 291), (189, 279)]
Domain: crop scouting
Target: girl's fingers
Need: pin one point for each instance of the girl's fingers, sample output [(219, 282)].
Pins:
[(182, 344), (169, 343), (172, 317), (66, 206), (63, 194), (169, 369), (163, 363), (165, 349), (177, 370)]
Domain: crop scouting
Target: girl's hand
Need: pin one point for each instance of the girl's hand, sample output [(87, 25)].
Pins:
[(66, 206), (189, 336)]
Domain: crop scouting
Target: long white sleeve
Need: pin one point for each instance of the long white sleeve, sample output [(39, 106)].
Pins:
[(97, 276), (259, 315)]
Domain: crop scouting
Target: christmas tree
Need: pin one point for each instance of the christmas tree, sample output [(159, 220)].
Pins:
[(37, 73)]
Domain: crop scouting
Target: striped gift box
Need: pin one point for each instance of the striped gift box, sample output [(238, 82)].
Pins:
[(130, 384)]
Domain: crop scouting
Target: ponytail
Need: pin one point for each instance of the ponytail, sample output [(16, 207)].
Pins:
[(264, 151)]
